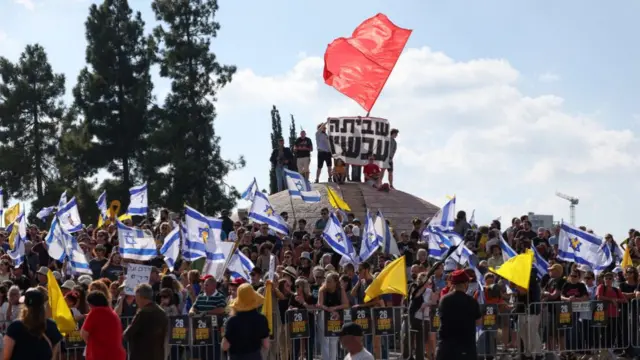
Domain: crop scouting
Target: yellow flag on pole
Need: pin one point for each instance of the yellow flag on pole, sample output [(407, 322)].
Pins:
[(336, 201), (10, 216), (517, 270), (60, 312), (267, 306), (391, 280), (626, 258)]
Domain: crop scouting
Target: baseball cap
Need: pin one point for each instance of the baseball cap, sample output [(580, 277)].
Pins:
[(351, 329)]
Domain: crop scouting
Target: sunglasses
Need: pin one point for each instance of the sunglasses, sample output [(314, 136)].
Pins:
[(588, 278), (608, 279)]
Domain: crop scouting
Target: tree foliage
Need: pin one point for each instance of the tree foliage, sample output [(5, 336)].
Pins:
[(276, 134)]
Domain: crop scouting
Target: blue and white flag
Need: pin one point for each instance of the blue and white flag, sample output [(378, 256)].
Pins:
[(370, 242), (191, 250), (17, 254), (335, 237), (63, 246), (102, 204), (63, 199), (445, 219), (386, 240), (581, 247), (440, 241), (135, 244), (300, 188), (200, 230), (171, 247), (56, 241), (45, 212), (507, 250), (69, 216), (215, 263), (138, 204), (263, 213), (539, 263), (249, 192), (240, 266)]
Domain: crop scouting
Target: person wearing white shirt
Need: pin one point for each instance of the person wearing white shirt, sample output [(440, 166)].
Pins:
[(351, 339)]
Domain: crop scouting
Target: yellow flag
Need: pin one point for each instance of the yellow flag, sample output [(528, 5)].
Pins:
[(124, 217), (11, 214), (626, 258), (60, 312), (517, 269), (391, 280), (450, 197), (12, 229), (336, 201), (267, 306)]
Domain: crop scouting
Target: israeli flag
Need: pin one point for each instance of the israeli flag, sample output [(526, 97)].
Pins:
[(191, 250), (216, 267), (171, 247), (575, 245), (539, 263), (335, 237), (445, 219), (138, 204), (440, 241), (200, 230), (240, 266), (135, 244), (300, 188), (63, 199), (55, 240), (370, 242), (507, 250), (69, 217), (102, 204), (45, 212), (76, 260), (386, 240), (263, 213), (249, 192), (17, 254)]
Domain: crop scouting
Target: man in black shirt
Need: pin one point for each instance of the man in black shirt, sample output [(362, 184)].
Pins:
[(303, 147), (264, 236), (458, 315)]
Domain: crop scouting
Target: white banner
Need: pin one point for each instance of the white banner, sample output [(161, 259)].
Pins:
[(355, 137)]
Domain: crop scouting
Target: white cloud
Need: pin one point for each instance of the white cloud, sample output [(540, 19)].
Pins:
[(548, 77), (28, 4), (466, 128)]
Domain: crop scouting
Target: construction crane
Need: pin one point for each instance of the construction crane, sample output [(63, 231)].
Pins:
[(572, 206)]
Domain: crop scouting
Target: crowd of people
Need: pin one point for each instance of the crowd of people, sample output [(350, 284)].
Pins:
[(338, 170)]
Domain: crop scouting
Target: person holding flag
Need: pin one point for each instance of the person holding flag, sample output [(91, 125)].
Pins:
[(458, 315)]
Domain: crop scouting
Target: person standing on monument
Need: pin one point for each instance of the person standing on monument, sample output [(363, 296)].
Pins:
[(280, 160), (324, 151), (303, 148)]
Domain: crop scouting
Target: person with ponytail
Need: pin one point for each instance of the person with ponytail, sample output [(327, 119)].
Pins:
[(33, 336)]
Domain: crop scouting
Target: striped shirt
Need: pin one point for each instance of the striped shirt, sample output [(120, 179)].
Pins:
[(206, 303)]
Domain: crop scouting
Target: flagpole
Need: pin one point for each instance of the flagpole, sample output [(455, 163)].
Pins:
[(293, 212)]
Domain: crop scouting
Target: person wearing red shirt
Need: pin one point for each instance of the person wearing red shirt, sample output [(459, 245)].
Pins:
[(102, 330), (372, 172)]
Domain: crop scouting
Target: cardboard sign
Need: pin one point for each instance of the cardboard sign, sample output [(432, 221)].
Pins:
[(136, 275), (362, 317), (179, 330), (201, 328), (298, 323), (383, 321), (74, 340), (490, 317), (564, 314), (354, 138), (333, 323)]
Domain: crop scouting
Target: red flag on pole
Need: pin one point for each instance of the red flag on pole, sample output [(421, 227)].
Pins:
[(359, 66)]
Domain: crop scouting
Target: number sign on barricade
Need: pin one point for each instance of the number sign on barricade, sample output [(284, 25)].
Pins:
[(202, 331), (354, 138), (298, 321), (333, 323), (599, 315), (564, 311), (74, 340), (489, 316), (383, 321), (221, 324), (362, 317), (435, 318), (179, 330)]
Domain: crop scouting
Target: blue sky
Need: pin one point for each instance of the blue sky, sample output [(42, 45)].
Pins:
[(513, 101)]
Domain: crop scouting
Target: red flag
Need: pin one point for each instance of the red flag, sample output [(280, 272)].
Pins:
[(359, 66)]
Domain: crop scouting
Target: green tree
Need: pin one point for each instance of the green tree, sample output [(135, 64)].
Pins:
[(293, 135), (276, 134), (114, 93), (186, 147), (30, 110)]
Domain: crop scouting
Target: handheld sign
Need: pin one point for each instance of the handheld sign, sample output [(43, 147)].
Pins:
[(201, 327), (333, 323), (179, 330), (383, 321), (136, 275), (298, 323)]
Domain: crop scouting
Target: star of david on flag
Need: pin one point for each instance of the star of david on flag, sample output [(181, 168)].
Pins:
[(263, 213), (300, 188), (575, 245)]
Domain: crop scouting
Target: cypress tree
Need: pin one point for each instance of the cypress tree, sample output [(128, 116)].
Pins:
[(276, 134), (293, 135)]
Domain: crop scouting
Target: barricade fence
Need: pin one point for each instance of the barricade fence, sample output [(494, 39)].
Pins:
[(391, 333)]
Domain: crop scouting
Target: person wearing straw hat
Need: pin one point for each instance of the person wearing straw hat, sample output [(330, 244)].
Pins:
[(458, 315), (247, 330)]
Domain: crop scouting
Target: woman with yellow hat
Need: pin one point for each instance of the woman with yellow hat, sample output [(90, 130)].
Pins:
[(247, 331)]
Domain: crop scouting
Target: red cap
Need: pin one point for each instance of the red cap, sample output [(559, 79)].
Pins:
[(459, 277), (204, 278), (238, 281)]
